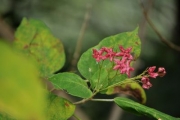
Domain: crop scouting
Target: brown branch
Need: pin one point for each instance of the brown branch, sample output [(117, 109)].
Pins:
[(80, 38), (164, 40), (143, 23)]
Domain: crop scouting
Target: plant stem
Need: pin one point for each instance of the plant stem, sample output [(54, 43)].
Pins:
[(103, 100), (85, 100)]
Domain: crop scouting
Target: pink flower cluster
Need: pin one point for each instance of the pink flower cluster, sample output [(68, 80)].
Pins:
[(145, 79), (121, 59)]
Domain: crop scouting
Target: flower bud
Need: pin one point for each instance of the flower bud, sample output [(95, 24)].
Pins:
[(161, 71)]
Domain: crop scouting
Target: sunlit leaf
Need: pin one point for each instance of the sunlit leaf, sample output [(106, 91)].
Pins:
[(88, 66), (139, 109), (59, 108), (72, 83), (128, 87), (21, 92), (35, 40)]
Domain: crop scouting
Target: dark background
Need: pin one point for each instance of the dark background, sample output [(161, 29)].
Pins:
[(65, 18)]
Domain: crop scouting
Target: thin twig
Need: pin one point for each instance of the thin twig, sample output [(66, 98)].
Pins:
[(143, 23), (85, 100), (164, 40), (80, 38)]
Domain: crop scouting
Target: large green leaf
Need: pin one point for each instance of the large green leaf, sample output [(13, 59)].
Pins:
[(21, 92), (72, 83), (59, 108), (35, 40), (89, 68), (128, 87), (139, 109)]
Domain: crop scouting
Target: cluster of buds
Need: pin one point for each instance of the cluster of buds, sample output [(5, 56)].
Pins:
[(151, 74), (121, 59)]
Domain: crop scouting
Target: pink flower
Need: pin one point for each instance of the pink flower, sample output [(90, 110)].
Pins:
[(128, 68), (146, 83), (121, 59), (97, 54), (123, 66), (119, 64), (103, 53), (125, 52), (128, 50), (109, 53), (151, 72), (161, 71)]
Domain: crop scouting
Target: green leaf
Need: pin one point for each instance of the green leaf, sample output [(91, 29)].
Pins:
[(128, 87), (72, 83), (59, 108), (35, 40), (100, 77), (139, 109), (89, 68), (21, 92)]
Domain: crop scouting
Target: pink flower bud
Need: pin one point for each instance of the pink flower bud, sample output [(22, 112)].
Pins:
[(146, 83), (151, 72), (161, 71)]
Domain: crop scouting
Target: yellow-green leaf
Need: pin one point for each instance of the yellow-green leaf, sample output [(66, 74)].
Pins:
[(59, 108), (35, 40), (21, 92), (128, 87)]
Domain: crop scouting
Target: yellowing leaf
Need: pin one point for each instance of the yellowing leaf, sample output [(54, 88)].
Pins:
[(128, 87), (35, 40), (59, 108), (21, 93)]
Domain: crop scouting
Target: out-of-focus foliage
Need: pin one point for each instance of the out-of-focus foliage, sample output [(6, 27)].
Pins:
[(21, 92)]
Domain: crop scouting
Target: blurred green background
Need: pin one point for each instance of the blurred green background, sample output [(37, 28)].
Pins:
[(103, 18)]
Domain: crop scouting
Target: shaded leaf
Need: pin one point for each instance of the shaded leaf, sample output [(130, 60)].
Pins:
[(139, 109), (59, 108), (88, 66), (72, 83), (21, 92), (35, 40), (128, 87)]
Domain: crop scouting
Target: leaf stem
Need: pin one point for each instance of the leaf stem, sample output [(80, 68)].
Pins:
[(87, 99), (103, 100), (100, 68)]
